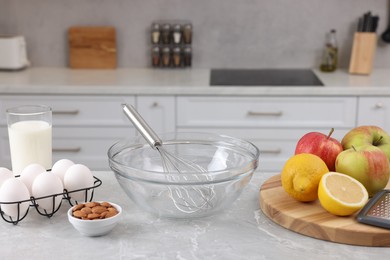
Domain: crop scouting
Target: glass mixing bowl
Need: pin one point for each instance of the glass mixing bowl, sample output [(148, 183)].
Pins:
[(213, 171)]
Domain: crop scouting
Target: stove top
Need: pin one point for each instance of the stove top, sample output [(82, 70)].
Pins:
[(264, 77)]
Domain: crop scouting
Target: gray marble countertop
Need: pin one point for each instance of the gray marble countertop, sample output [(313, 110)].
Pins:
[(144, 81), (240, 232)]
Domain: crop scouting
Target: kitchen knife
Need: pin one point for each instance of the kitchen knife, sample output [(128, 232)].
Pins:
[(366, 22), (374, 24), (360, 25)]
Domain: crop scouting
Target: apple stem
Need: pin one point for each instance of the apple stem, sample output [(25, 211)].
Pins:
[(330, 133), (378, 141), (353, 147)]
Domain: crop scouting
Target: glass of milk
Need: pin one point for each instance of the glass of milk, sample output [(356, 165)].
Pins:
[(30, 136)]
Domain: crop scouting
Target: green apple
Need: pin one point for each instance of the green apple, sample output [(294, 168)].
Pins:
[(368, 164), (367, 135)]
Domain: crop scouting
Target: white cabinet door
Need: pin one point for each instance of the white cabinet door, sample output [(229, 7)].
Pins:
[(276, 145), (88, 146), (273, 124), (85, 145), (158, 111), (374, 111), (84, 126)]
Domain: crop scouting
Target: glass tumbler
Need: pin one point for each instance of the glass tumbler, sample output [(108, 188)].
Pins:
[(30, 136)]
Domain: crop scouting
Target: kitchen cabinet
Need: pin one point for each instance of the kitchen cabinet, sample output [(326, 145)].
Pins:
[(274, 124), (86, 108), (266, 111), (158, 111), (374, 111), (84, 127)]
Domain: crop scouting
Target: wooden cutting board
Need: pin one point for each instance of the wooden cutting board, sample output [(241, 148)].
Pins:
[(92, 47), (312, 220)]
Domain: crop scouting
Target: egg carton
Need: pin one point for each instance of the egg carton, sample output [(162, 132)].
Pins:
[(34, 202)]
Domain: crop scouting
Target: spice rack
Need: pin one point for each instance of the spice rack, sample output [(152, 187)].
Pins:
[(171, 44), (34, 202)]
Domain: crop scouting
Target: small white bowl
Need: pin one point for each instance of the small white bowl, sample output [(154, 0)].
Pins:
[(94, 228)]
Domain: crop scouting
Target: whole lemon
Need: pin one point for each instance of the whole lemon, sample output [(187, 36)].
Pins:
[(301, 175)]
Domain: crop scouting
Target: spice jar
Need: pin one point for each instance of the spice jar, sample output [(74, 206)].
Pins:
[(177, 56), (166, 34), (156, 56), (177, 34), (187, 56), (156, 33), (166, 56), (187, 33)]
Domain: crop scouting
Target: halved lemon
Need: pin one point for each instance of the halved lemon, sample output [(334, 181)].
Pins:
[(341, 194)]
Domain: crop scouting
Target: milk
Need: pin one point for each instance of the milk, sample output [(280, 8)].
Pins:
[(30, 142)]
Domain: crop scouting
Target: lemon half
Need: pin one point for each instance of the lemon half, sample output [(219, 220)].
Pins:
[(341, 194)]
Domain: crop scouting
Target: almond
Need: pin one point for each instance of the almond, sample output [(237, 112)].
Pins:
[(79, 214), (78, 207), (99, 209), (94, 210)]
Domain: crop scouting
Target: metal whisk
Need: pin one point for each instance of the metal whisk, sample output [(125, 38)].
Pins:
[(187, 199)]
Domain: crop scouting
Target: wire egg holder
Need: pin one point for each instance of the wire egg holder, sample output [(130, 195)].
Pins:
[(35, 202)]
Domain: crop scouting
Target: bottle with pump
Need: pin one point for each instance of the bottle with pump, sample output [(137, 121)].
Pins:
[(329, 59)]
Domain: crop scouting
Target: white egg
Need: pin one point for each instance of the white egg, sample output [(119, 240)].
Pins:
[(46, 184), (29, 173), (14, 190), (60, 168), (4, 175), (78, 176)]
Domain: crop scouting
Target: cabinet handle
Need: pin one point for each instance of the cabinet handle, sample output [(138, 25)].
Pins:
[(66, 112), (275, 151), (67, 150), (254, 113), (155, 104), (379, 105)]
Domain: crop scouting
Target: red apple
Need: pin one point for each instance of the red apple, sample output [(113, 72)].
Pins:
[(367, 135), (324, 146), (367, 164)]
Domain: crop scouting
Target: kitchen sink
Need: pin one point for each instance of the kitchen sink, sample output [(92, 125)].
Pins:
[(264, 77)]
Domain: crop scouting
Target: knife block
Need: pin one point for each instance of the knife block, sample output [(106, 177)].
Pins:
[(363, 53)]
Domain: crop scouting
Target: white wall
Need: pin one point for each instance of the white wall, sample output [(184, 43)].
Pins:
[(227, 33)]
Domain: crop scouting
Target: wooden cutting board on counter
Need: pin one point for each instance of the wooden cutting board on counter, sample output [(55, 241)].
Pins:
[(92, 48), (312, 220)]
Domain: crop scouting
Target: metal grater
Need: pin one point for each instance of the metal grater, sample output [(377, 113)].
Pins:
[(377, 211)]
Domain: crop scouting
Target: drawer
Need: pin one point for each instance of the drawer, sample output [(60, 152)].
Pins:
[(266, 112), (374, 111), (75, 110), (158, 111), (85, 145), (275, 145), (88, 146)]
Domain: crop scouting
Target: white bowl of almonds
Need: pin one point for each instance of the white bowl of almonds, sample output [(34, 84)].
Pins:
[(94, 218)]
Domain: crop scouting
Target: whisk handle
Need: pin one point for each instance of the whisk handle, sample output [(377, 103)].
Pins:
[(140, 124)]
